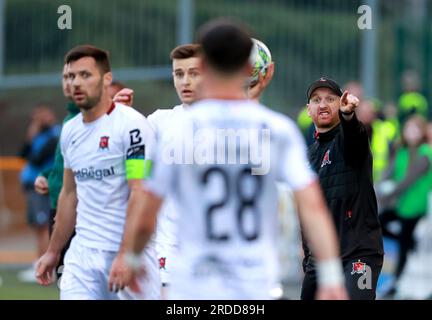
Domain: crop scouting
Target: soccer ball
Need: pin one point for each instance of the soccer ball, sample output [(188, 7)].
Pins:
[(260, 59)]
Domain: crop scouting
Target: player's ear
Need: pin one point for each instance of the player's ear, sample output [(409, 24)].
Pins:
[(107, 79), (308, 110)]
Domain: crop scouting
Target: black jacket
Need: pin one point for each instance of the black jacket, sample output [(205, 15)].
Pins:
[(343, 161)]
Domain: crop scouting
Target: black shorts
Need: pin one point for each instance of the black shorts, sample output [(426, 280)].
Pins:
[(38, 209), (51, 227), (361, 278)]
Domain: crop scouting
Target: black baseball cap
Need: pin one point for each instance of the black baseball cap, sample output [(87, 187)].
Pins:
[(324, 83)]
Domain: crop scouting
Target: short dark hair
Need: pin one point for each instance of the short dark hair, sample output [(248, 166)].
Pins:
[(101, 56), (186, 51), (226, 44), (118, 84)]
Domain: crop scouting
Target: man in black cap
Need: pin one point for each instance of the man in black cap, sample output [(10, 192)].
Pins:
[(342, 159)]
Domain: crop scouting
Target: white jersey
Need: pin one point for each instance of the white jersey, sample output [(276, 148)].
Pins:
[(96, 152), (228, 204), (161, 121)]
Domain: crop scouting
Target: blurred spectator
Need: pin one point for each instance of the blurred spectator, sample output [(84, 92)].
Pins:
[(306, 126), (114, 88), (120, 94), (50, 180), (411, 100), (355, 88), (38, 150), (429, 133), (390, 114), (404, 197), (367, 114), (382, 133)]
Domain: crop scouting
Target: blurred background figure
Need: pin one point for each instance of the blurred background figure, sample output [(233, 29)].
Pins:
[(114, 88), (381, 131), (50, 181), (390, 114), (38, 150), (367, 114), (411, 100), (306, 126), (429, 133), (354, 87), (405, 189)]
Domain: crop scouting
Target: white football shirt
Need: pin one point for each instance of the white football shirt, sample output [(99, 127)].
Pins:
[(227, 215), (96, 152), (162, 120)]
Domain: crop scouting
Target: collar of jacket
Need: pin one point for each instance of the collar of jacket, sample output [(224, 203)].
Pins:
[(72, 108), (327, 136)]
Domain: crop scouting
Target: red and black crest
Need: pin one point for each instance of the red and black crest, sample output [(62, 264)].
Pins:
[(103, 143), (358, 267), (326, 159), (162, 261)]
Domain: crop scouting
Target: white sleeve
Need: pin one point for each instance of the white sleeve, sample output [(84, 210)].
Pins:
[(167, 159), (152, 120), (162, 178), (138, 144), (294, 168)]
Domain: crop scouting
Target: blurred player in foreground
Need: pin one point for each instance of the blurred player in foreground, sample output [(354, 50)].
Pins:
[(263, 68)]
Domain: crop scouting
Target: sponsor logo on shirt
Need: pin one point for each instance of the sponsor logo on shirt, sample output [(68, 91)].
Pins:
[(93, 174), (137, 152)]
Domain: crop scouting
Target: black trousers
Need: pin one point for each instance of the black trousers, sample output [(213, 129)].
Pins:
[(361, 278), (51, 228), (404, 238)]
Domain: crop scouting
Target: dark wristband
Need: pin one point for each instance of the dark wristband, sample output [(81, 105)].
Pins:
[(347, 113)]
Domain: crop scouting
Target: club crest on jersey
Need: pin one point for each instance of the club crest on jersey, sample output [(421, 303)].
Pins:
[(103, 143), (326, 159), (358, 267), (162, 261)]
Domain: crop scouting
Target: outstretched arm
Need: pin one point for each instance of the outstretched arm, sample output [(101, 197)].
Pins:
[(355, 138)]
